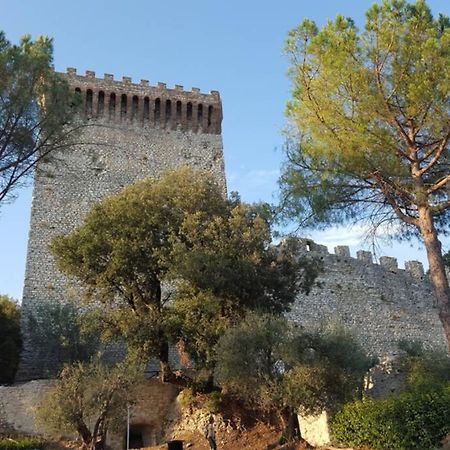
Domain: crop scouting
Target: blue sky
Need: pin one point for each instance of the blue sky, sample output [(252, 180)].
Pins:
[(231, 46)]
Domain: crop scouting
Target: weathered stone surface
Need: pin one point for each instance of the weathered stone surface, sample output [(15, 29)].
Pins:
[(18, 404), (381, 304), (315, 428), (147, 131)]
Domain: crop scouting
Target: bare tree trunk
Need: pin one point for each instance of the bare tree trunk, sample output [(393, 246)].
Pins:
[(437, 267)]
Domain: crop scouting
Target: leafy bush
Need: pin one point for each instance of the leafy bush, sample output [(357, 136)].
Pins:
[(10, 340), (213, 402), (416, 420), (425, 368), (25, 443), (186, 398)]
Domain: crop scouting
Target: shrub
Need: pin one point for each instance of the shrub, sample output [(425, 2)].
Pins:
[(186, 398), (25, 443), (213, 402), (416, 420), (10, 340)]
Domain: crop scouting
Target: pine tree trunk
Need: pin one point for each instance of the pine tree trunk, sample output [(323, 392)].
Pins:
[(437, 268)]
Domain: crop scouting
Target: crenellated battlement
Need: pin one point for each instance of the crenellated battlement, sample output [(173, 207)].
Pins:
[(378, 301), (134, 131), (342, 252), (145, 105)]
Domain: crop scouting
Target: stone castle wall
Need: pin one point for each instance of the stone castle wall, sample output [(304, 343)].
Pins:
[(128, 132), (380, 303), (155, 406)]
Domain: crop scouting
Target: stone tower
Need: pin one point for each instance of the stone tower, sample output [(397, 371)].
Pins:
[(129, 131)]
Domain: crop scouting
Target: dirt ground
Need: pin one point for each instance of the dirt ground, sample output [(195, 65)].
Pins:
[(258, 438)]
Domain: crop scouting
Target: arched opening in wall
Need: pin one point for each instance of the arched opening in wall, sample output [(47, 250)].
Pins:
[(189, 112), (178, 111), (123, 106), (134, 107), (141, 435), (168, 110), (200, 114), (210, 115), (89, 97), (157, 110), (112, 106), (77, 99), (146, 115), (101, 103)]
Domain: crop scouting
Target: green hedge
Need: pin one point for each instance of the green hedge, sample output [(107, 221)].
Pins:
[(415, 420), (24, 443)]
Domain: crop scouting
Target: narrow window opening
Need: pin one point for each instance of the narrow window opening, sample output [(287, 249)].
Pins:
[(134, 107), (178, 111), (189, 111), (112, 105), (123, 106), (168, 110), (157, 110), (210, 114), (200, 113), (101, 103), (146, 109), (89, 102)]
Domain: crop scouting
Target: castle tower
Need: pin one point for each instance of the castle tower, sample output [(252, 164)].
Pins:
[(130, 131)]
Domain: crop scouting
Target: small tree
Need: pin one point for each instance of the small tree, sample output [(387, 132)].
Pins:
[(371, 121), (89, 399), (274, 367), (34, 111), (62, 333), (10, 339)]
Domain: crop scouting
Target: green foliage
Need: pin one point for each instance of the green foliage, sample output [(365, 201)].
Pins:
[(270, 364), (186, 398), (213, 402), (407, 421), (57, 328), (10, 338), (177, 238), (22, 443), (35, 109), (250, 359), (89, 399), (369, 115), (327, 369), (446, 258), (425, 369)]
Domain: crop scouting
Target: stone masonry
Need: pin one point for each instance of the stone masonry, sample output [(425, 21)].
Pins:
[(380, 303), (128, 132), (131, 131)]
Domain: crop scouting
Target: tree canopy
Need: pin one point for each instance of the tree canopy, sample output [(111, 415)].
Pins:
[(10, 338), (275, 367), (371, 126), (35, 107), (160, 250)]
